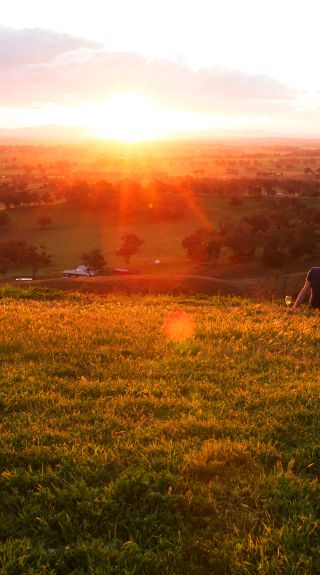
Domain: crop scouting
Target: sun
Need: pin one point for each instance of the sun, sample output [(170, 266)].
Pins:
[(128, 117)]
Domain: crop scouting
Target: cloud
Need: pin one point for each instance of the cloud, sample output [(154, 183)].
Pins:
[(209, 89), (40, 66), (30, 46)]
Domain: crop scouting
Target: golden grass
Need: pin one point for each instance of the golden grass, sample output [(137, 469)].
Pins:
[(128, 449)]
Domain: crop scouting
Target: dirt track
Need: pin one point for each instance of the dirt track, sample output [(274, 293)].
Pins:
[(262, 286), (166, 283)]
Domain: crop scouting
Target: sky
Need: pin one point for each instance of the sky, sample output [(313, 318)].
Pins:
[(135, 69)]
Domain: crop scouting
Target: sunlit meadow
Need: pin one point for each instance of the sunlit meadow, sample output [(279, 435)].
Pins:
[(158, 435)]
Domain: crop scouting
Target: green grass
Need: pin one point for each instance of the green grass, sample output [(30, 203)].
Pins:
[(74, 232), (128, 450)]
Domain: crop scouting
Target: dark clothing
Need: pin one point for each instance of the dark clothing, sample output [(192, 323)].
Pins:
[(314, 278)]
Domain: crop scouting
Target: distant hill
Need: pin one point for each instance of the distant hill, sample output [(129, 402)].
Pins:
[(45, 133), (54, 133)]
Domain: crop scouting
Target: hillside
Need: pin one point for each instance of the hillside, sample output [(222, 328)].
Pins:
[(157, 435), (73, 232)]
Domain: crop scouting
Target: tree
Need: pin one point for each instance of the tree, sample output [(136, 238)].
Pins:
[(77, 194), (6, 194), (36, 258), (239, 238), (214, 247), (204, 244), (44, 221), (130, 245), (17, 252), (169, 206), (94, 260), (258, 222), (13, 251)]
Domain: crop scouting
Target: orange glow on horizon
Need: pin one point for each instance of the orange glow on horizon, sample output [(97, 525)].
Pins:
[(129, 117)]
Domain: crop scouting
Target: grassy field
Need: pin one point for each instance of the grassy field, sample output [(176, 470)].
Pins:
[(74, 232), (157, 435)]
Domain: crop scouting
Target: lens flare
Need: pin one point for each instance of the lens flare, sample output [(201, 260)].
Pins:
[(178, 326)]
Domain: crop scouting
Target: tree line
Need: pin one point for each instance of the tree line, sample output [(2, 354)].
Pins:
[(155, 198), (275, 237), (20, 252)]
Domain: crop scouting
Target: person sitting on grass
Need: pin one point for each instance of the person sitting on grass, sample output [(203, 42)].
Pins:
[(312, 284)]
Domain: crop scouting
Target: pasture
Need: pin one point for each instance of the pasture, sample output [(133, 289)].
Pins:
[(73, 232)]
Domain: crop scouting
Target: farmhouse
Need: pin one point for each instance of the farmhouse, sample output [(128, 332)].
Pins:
[(80, 270)]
